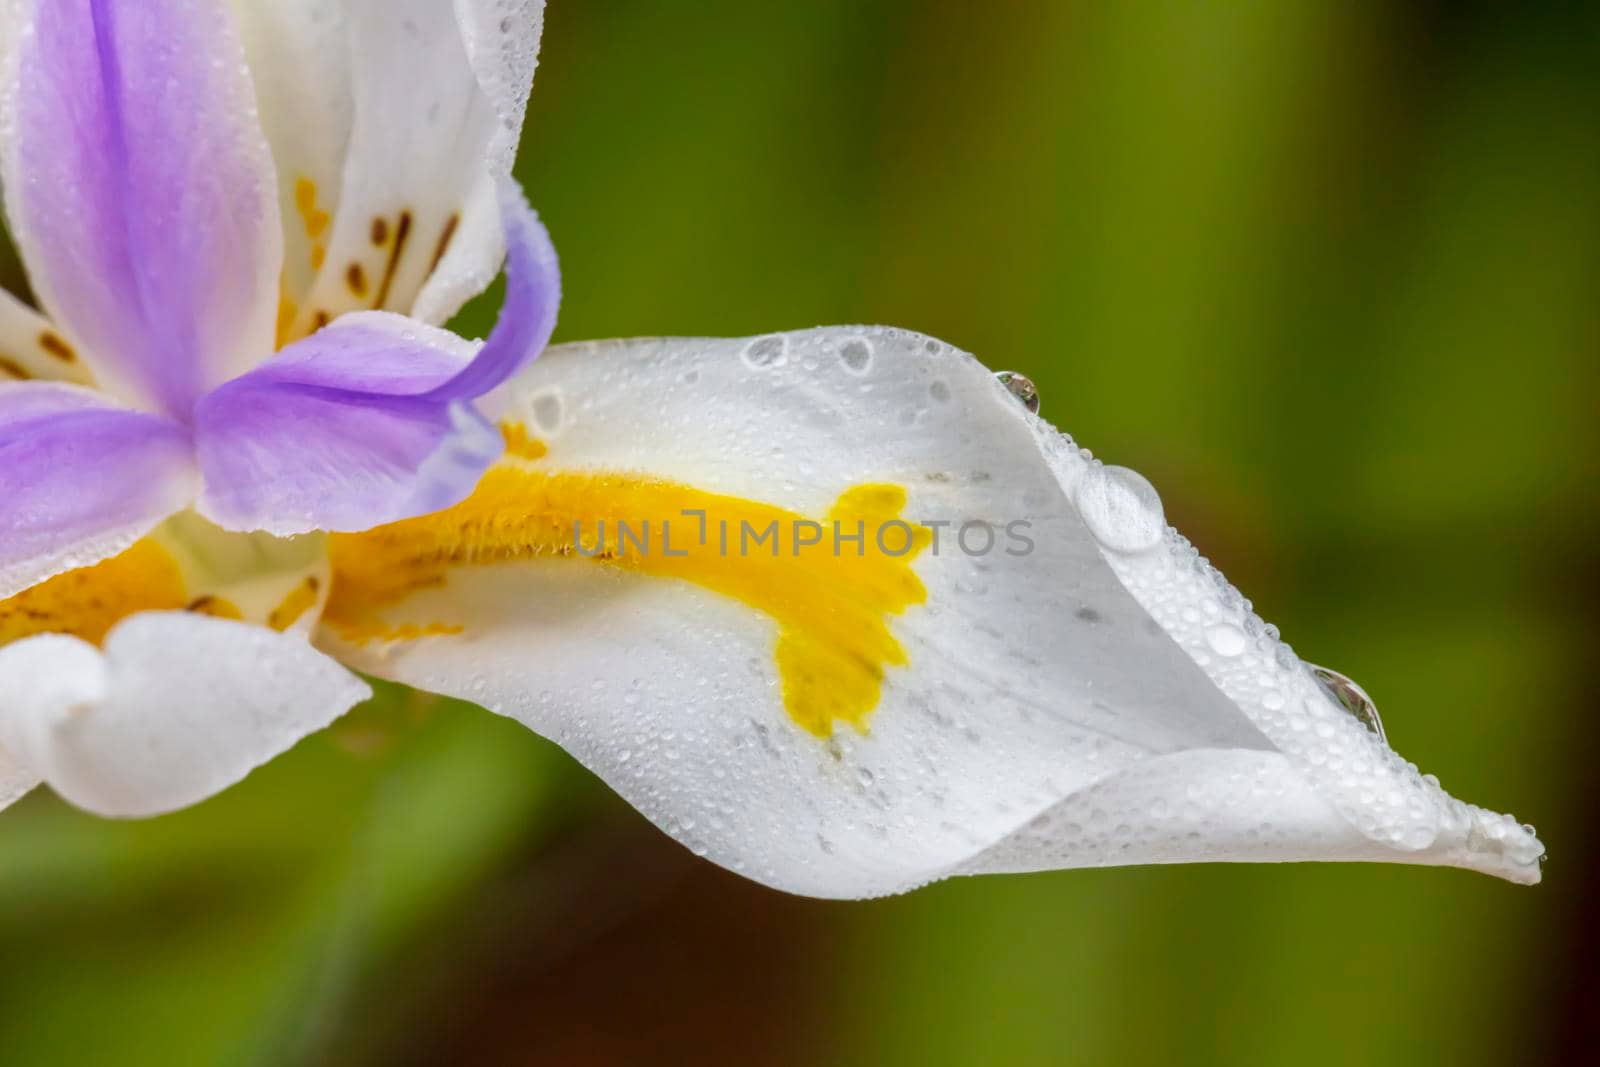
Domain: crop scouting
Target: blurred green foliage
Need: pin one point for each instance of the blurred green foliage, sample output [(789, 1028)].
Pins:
[(1325, 271)]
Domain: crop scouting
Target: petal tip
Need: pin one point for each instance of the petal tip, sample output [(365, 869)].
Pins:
[(1498, 845)]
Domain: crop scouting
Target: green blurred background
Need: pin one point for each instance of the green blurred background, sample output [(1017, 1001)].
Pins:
[(1325, 271)]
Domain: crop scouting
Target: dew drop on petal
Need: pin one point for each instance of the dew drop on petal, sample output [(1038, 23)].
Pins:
[(1349, 696), (856, 355), (1121, 508), (1021, 387), (769, 351), (548, 414), (1226, 640)]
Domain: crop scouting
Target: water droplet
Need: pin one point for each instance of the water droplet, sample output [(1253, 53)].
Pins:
[(1226, 640), (1121, 509), (547, 413), (1349, 696), (856, 356), (1021, 387), (769, 351)]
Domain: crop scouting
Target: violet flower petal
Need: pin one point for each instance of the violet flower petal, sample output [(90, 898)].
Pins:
[(141, 192)]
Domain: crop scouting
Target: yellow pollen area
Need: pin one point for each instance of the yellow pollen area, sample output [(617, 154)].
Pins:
[(315, 220), (287, 312), (520, 445), (88, 601), (831, 608)]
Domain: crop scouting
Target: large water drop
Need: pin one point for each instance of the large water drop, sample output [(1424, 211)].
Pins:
[(1349, 696), (1021, 387), (1121, 508)]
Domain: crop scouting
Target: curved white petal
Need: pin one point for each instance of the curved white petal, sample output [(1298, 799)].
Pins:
[(390, 120), (177, 707), (1040, 703), (1199, 806)]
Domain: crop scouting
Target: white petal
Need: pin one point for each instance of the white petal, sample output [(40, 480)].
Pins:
[(16, 781), (1038, 689), (1204, 805), (502, 41), (176, 708), (389, 121), (299, 64)]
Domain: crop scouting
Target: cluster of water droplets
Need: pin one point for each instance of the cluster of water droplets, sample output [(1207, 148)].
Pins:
[(502, 42), (1322, 720)]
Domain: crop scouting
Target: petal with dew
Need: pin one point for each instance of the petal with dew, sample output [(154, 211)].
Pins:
[(370, 420), (391, 122), (176, 707), (994, 692), (81, 480), (140, 191)]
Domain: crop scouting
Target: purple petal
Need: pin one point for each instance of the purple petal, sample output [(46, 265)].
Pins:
[(80, 480), (141, 192), (533, 297), (370, 419)]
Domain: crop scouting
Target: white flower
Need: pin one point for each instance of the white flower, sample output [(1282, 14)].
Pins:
[(833, 608)]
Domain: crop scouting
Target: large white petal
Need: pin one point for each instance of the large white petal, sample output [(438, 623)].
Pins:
[(1082, 703), (177, 707), (389, 121)]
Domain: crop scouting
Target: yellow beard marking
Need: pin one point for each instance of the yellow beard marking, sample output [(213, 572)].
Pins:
[(89, 601), (831, 607)]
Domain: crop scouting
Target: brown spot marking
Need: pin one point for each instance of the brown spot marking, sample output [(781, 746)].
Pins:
[(53, 343), (380, 231), (402, 233), (10, 368), (357, 279), (319, 319), (215, 606), (444, 240)]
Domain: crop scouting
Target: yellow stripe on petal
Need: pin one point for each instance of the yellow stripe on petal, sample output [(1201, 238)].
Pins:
[(301, 599), (185, 564), (88, 601), (829, 592)]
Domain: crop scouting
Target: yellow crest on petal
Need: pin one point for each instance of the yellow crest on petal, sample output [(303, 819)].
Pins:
[(829, 584)]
